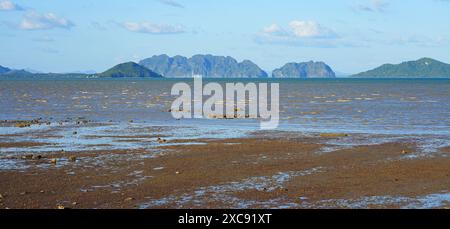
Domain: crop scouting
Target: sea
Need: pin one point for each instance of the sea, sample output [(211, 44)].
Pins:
[(371, 110)]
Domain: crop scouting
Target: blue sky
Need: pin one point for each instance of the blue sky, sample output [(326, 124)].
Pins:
[(349, 35)]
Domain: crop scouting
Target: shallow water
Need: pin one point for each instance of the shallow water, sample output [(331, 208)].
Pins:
[(372, 111), (346, 105)]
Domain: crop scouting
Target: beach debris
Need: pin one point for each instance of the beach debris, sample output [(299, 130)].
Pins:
[(405, 152), (74, 203), (42, 191), (60, 207), (178, 172), (75, 133), (72, 158), (23, 124), (129, 199), (37, 157), (27, 157), (53, 161), (23, 193)]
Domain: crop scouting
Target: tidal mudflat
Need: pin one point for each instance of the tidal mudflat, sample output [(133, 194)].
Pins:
[(253, 172), (112, 144)]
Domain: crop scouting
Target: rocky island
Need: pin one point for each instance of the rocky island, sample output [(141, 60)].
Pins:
[(422, 68), (208, 66), (304, 70), (129, 69)]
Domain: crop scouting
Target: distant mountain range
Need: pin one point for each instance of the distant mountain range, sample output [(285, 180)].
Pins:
[(208, 66), (422, 68), (4, 70)]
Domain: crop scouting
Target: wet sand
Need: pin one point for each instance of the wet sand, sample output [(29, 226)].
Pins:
[(282, 171), (20, 144)]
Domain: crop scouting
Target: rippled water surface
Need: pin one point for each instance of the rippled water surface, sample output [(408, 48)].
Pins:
[(417, 109), (353, 105)]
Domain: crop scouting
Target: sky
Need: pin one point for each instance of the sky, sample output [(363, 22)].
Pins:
[(349, 35)]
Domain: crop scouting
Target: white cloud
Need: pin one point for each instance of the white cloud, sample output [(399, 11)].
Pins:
[(373, 6), (171, 3), (36, 21), (151, 28), (274, 30), (310, 29), (299, 33), (8, 5)]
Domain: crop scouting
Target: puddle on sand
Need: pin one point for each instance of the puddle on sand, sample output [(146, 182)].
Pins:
[(420, 202), (224, 193), (108, 136)]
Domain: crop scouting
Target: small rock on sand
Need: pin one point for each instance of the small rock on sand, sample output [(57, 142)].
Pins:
[(54, 161), (160, 140), (129, 199), (37, 157), (72, 158), (27, 157), (60, 207), (22, 125), (405, 152)]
